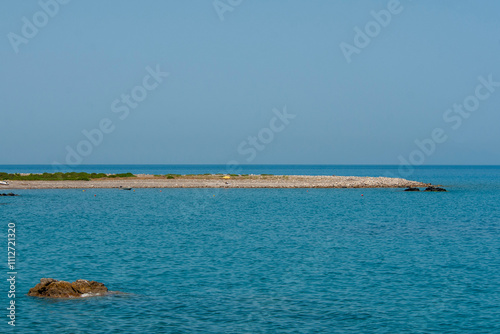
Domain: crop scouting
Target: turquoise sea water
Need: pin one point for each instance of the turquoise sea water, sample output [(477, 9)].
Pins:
[(262, 260)]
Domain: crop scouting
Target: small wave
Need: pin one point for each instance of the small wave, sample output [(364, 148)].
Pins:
[(90, 294)]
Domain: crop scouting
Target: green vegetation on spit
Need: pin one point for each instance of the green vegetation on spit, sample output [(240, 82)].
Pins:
[(73, 176)]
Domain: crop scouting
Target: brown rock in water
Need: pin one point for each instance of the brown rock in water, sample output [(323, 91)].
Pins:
[(51, 288), (432, 188), (84, 286)]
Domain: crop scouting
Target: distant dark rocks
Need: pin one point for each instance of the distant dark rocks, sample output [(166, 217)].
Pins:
[(432, 188), (9, 194), (52, 288), (429, 188)]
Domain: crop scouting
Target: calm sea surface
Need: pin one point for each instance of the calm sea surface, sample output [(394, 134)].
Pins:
[(261, 260)]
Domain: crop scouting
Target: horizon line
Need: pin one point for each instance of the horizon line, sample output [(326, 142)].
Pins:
[(266, 164)]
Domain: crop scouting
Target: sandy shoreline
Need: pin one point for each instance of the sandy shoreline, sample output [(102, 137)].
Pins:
[(214, 181)]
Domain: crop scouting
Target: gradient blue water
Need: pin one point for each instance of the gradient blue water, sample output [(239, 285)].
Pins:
[(265, 260)]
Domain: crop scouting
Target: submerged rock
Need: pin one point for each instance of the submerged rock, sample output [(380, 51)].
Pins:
[(9, 194), (412, 189), (52, 288), (432, 188)]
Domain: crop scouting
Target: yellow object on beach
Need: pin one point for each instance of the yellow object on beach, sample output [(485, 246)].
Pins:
[(226, 177)]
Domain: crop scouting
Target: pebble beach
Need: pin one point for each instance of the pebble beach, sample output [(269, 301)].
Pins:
[(216, 181)]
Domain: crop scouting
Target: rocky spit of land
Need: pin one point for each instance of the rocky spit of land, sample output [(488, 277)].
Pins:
[(217, 181)]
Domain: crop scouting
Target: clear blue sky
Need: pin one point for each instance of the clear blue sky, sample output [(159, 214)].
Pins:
[(227, 76)]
